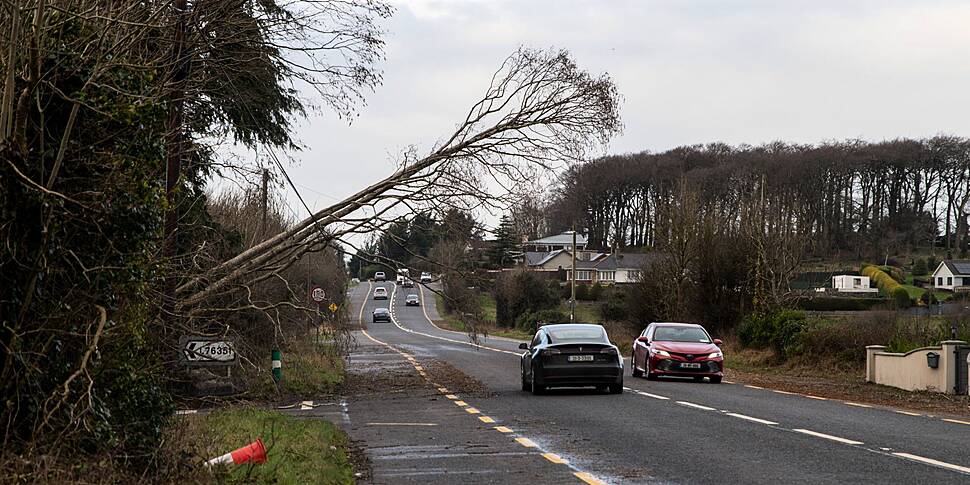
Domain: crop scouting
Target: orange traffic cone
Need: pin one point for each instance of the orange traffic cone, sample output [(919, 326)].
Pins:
[(254, 452)]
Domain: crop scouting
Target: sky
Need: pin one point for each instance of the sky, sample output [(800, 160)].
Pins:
[(689, 71)]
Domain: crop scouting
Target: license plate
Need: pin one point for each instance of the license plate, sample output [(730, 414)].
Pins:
[(690, 365), (580, 358)]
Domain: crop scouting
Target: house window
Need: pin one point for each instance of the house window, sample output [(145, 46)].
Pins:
[(939, 281), (856, 282), (949, 281), (633, 275), (607, 275), (584, 275)]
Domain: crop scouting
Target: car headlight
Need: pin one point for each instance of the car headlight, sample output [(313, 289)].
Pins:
[(662, 353), (715, 355)]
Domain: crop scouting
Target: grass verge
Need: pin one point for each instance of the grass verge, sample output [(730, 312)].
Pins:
[(309, 370), (298, 450)]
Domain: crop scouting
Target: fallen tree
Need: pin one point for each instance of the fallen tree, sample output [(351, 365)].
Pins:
[(540, 111)]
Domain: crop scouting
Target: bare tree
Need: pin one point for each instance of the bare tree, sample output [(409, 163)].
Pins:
[(541, 110)]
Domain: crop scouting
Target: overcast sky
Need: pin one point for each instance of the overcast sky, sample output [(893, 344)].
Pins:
[(690, 71)]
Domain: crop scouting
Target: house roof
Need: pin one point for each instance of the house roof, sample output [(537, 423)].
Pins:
[(958, 266), (564, 239), (539, 258), (612, 262)]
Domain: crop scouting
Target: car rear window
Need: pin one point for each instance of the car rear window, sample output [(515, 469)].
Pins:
[(681, 334), (564, 335)]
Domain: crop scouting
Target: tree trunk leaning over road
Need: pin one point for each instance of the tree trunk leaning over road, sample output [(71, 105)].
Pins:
[(540, 110)]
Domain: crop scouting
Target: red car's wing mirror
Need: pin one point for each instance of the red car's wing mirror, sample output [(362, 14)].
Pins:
[(643, 339), (718, 341)]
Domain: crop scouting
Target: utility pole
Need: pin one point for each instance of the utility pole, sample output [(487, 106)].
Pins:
[(572, 291), (263, 203)]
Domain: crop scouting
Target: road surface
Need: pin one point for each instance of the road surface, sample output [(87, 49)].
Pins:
[(676, 431)]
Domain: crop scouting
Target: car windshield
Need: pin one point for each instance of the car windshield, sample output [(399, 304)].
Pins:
[(577, 334), (681, 334), (412, 297)]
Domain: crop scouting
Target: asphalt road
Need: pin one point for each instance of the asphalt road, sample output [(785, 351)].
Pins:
[(673, 431)]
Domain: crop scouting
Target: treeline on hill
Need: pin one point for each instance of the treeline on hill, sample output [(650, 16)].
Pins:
[(864, 198)]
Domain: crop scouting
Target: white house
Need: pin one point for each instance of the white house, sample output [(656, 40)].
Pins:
[(953, 275), (610, 269), (846, 283)]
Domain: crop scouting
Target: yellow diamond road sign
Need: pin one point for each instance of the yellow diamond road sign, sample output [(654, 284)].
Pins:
[(333, 308)]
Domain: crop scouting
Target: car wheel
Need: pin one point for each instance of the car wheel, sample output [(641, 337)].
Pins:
[(715, 379), (616, 388), (650, 375), (633, 365), (537, 389), (525, 384)]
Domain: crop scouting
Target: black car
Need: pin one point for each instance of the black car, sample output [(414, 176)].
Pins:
[(412, 300), (382, 315), (571, 355)]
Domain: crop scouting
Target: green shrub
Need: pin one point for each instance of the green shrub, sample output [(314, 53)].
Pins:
[(901, 297), (582, 292), (596, 292), (527, 321), (771, 330), (614, 307), (839, 304), (919, 267), (520, 292), (843, 340), (886, 283), (931, 264)]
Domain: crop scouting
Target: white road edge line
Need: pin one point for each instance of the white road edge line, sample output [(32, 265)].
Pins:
[(827, 436), (696, 406), (930, 461), (655, 396), (749, 418)]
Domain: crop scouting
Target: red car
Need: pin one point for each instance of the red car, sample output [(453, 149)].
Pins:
[(677, 349)]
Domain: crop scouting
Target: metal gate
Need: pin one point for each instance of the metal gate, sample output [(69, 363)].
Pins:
[(963, 380)]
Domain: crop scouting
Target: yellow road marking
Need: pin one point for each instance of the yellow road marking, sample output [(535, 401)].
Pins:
[(554, 458), (815, 397), (956, 421), (486, 419), (461, 403), (502, 429), (590, 479), (451, 396), (908, 413), (526, 442), (418, 367), (471, 410), (443, 390), (858, 405)]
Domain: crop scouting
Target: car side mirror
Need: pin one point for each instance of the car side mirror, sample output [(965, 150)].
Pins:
[(645, 340), (524, 346), (718, 341)]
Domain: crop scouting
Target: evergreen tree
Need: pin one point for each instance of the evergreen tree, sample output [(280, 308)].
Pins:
[(505, 245)]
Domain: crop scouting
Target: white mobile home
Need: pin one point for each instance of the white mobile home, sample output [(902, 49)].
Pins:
[(846, 283)]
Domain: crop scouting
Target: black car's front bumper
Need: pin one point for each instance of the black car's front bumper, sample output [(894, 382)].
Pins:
[(382, 319)]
